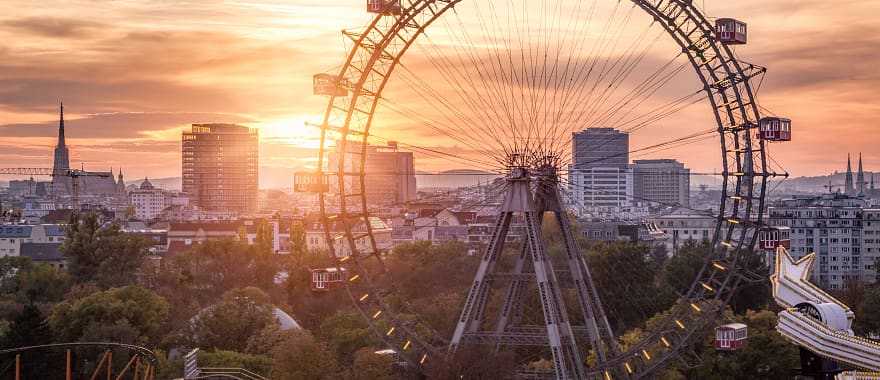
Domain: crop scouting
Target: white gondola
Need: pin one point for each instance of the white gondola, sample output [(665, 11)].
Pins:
[(326, 279), (774, 237), (731, 337), (327, 84), (731, 31), (310, 182)]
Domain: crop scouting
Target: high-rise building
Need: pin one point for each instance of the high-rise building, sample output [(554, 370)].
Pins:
[(221, 167), (390, 173), (663, 181), (842, 230), (600, 175), (600, 148)]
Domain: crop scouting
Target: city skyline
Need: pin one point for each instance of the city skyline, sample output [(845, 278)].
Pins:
[(131, 86)]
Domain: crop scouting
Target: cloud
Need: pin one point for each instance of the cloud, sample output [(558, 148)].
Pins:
[(54, 27), (128, 125)]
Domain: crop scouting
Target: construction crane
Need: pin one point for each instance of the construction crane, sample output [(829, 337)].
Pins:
[(73, 174)]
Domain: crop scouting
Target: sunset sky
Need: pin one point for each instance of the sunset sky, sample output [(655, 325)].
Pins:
[(134, 73)]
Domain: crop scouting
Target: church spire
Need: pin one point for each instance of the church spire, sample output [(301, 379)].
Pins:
[(62, 156), (61, 139), (849, 188), (860, 177)]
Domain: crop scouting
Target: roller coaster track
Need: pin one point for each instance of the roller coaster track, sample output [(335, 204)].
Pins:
[(137, 353)]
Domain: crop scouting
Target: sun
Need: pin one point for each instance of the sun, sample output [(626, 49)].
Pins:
[(297, 131)]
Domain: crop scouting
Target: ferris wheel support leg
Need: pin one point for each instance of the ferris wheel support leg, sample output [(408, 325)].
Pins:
[(476, 299), (567, 358), (512, 296), (598, 328)]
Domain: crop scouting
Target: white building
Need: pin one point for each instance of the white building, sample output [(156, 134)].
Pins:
[(602, 189), (148, 201), (843, 231), (12, 236), (683, 227)]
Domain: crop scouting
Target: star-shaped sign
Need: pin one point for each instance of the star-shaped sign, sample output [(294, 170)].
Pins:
[(791, 284)]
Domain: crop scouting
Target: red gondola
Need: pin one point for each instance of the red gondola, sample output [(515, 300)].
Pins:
[(774, 129), (775, 237), (384, 7), (729, 31), (326, 279), (731, 337)]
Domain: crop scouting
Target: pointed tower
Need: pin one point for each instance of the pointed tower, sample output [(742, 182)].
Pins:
[(60, 184), (849, 189), (860, 177), (120, 183)]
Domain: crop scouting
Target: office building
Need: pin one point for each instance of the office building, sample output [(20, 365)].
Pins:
[(390, 172), (662, 182), (220, 167), (600, 175)]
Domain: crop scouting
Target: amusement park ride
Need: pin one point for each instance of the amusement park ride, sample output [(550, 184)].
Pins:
[(534, 186)]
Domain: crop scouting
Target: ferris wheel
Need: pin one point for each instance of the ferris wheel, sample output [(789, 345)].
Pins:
[(501, 86)]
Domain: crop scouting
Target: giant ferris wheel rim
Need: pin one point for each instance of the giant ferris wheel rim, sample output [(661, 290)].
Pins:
[(739, 104)]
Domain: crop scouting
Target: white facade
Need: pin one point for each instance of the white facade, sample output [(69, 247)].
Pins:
[(12, 236), (681, 228), (601, 189), (841, 230), (148, 202)]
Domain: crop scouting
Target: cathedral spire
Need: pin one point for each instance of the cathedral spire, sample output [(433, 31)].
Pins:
[(860, 177), (61, 161), (61, 139), (849, 188), (62, 158)]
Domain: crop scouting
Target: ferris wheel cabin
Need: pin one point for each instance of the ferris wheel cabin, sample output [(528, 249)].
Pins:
[(730, 31), (774, 129), (326, 279), (731, 337), (384, 7), (327, 84), (775, 237)]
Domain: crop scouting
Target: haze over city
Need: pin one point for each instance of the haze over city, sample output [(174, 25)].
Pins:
[(439, 189), (135, 74)]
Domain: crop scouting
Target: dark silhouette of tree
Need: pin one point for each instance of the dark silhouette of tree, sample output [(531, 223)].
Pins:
[(102, 254)]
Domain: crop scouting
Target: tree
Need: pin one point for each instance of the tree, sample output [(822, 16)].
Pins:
[(869, 320), (259, 364), (767, 355), (43, 283), (298, 246), (228, 325), (474, 362), (368, 365), (625, 276), (302, 357), (29, 328), (141, 309), (104, 255), (10, 267), (211, 269), (346, 333)]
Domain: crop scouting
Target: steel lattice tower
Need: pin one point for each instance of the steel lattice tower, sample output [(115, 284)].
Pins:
[(531, 195)]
